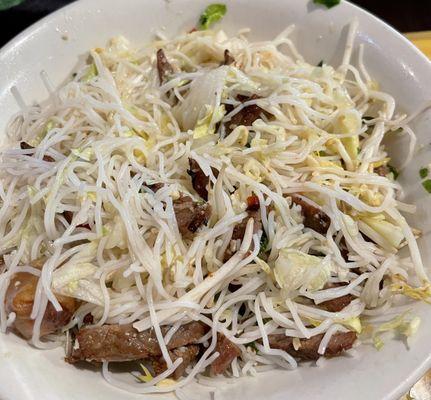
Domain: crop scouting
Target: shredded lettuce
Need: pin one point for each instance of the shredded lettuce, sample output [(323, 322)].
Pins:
[(85, 154), (392, 234), (90, 74), (76, 278), (201, 97), (350, 122), (203, 128), (117, 234), (353, 323), (48, 127), (264, 265), (400, 286), (295, 269), (401, 325)]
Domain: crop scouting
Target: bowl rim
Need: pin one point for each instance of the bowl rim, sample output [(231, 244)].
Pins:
[(402, 387)]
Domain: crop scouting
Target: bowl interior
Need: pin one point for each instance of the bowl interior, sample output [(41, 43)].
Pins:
[(391, 60)]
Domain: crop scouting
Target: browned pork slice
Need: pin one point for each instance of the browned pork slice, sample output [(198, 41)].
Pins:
[(187, 353), (200, 181), (191, 215), (246, 116), (26, 146), (228, 352), (337, 304), (125, 343), (155, 187), (307, 350), (164, 68), (68, 216), (239, 229), (228, 58), (19, 299), (314, 218)]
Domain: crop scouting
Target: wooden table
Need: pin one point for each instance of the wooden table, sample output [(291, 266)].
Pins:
[(422, 40)]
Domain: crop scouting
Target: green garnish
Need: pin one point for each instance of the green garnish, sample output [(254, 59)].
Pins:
[(263, 244), (212, 14), (320, 63), (5, 4), (427, 185), (423, 172), (253, 346), (394, 171), (327, 3)]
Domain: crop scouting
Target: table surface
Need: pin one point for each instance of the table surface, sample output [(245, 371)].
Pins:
[(405, 16)]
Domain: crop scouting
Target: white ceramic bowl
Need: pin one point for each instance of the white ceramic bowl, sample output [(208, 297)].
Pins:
[(26, 373)]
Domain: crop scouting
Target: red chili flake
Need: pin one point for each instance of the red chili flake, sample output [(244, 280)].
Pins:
[(253, 203)]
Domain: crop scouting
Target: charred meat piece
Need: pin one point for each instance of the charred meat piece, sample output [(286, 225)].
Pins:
[(307, 350), (200, 181), (20, 297), (337, 304), (228, 352), (314, 218), (246, 116), (68, 215), (155, 187), (344, 250), (190, 214), (26, 146), (228, 58), (239, 230), (164, 68), (125, 343), (187, 353)]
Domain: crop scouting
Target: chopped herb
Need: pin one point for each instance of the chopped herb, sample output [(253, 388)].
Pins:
[(263, 244), (423, 172), (394, 171), (253, 346), (327, 3), (320, 63), (427, 185), (74, 75), (212, 14)]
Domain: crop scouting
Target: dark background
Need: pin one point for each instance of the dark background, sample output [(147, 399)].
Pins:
[(404, 15)]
